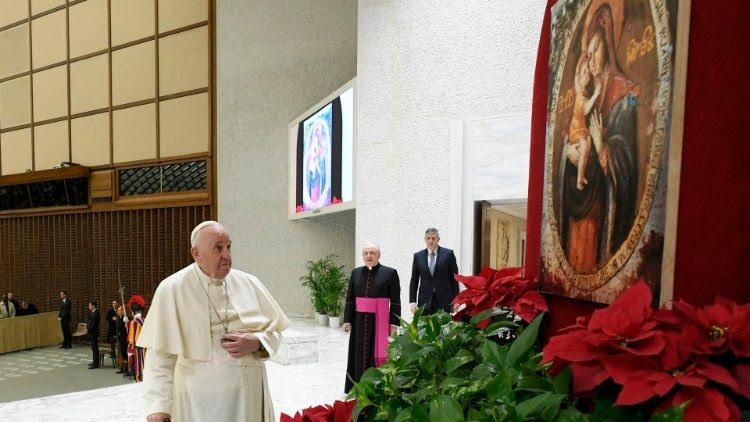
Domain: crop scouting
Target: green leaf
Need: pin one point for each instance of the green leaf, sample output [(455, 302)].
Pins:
[(551, 406), (415, 413), (524, 341), (673, 414), (474, 415), (493, 354), (482, 371), (432, 328), (561, 383), (487, 313), (532, 405), (406, 379), (497, 327), (358, 408), (453, 382), (445, 408), (372, 375), (531, 382), (500, 386), (570, 415), (413, 329), (424, 393), (430, 364), (462, 357), (409, 354)]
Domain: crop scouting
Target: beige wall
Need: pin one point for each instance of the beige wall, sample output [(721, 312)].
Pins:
[(507, 233), (288, 56), (57, 79)]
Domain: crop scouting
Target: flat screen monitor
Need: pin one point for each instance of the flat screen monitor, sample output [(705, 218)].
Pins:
[(321, 152)]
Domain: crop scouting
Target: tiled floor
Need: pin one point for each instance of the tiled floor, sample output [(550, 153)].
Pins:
[(293, 387)]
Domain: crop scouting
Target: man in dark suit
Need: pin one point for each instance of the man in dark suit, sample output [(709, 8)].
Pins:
[(64, 317), (432, 282), (112, 326), (27, 309), (92, 330)]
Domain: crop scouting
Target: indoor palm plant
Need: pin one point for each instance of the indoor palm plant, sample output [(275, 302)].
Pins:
[(327, 285)]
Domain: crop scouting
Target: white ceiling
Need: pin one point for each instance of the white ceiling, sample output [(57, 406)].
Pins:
[(516, 208)]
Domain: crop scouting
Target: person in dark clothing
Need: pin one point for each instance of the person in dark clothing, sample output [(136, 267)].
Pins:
[(64, 317), (432, 284), (371, 313), (112, 326), (92, 330), (122, 339), (27, 309)]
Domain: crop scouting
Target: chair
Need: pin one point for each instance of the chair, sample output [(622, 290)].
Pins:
[(106, 349), (80, 332)]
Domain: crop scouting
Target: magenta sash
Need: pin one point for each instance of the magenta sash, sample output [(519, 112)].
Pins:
[(380, 306)]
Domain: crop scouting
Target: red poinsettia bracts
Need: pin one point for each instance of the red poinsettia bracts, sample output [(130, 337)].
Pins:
[(675, 354), (506, 288), (706, 405), (718, 327), (341, 411), (623, 327)]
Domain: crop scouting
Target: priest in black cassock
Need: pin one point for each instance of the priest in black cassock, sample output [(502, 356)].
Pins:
[(367, 337)]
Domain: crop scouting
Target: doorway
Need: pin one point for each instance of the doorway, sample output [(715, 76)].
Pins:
[(501, 234)]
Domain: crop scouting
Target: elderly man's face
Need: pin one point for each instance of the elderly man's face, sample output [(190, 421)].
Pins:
[(371, 256), (10, 296), (120, 311), (114, 304), (213, 253)]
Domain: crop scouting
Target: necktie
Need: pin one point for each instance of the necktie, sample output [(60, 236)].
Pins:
[(431, 264)]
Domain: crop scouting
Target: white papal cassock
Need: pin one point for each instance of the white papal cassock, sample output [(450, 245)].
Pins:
[(187, 373)]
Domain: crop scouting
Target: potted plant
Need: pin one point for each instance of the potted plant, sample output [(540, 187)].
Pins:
[(335, 290), (334, 283), (323, 278)]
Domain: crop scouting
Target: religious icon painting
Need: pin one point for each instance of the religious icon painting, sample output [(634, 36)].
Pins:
[(613, 146)]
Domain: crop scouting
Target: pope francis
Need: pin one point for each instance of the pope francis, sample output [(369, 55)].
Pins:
[(207, 333)]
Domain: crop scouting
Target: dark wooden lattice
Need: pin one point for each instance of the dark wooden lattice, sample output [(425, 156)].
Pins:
[(82, 252)]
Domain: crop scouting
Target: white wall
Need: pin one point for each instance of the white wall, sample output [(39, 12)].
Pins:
[(275, 59), (423, 66)]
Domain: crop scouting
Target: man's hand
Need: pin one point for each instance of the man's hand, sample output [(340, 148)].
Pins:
[(413, 307), (394, 330), (240, 344), (157, 417), (455, 307), (347, 327)]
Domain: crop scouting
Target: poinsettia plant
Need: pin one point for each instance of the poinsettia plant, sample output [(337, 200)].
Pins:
[(341, 411), (505, 288), (697, 357)]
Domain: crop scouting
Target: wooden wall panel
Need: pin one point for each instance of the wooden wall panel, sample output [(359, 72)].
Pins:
[(83, 252)]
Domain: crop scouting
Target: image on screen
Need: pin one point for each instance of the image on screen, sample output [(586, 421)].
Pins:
[(316, 164)]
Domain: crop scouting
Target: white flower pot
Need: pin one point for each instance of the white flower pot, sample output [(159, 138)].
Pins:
[(322, 319), (334, 321)]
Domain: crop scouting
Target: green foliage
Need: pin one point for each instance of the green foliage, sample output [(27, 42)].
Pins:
[(327, 283), (440, 369), (673, 414)]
